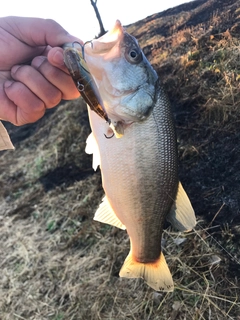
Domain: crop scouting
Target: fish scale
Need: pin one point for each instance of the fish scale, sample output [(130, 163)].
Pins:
[(139, 167), (145, 172)]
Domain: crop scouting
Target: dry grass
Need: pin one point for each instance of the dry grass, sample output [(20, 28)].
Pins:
[(46, 277), (56, 263)]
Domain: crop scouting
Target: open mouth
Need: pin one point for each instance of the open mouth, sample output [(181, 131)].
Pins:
[(106, 42)]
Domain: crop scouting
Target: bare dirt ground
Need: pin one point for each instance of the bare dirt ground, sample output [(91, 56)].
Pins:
[(56, 263)]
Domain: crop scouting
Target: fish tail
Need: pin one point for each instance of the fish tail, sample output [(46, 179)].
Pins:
[(156, 274)]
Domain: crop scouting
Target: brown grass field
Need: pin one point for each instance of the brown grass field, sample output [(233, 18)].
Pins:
[(56, 263)]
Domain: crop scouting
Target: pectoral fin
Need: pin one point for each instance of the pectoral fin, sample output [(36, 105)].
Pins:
[(181, 215), (92, 148), (106, 214), (156, 274), (5, 141)]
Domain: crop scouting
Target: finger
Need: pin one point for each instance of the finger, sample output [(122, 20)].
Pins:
[(21, 105), (38, 84), (55, 57), (8, 108), (58, 77), (37, 31)]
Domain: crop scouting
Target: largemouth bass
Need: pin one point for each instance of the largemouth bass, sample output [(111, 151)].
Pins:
[(138, 159)]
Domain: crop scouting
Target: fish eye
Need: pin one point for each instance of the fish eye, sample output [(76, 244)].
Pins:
[(134, 56)]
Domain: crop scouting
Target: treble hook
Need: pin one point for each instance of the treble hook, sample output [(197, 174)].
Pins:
[(82, 46), (90, 41), (109, 136)]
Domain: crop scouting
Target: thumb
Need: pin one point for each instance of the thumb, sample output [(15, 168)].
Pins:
[(55, 57)]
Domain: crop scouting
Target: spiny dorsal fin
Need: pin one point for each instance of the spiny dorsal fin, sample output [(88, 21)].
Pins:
[(181, 215), (105, 214), (156, 275), (5, 141), (92, 148)]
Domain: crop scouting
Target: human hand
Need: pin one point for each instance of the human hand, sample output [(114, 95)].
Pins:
[(33, 76)]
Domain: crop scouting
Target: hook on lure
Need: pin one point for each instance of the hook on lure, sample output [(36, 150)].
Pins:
[(74, 59), (82, 46), (80, 86)]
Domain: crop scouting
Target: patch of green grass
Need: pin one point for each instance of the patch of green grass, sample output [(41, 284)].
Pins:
[(17, 194), (51, 225), (59, 316)]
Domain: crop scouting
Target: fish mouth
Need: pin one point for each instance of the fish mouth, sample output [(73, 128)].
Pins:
[(106, 42)]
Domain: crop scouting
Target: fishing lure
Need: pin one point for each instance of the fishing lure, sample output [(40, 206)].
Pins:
[(78, 69), (77, 66)]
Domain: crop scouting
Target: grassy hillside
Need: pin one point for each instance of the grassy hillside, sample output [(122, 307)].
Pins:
[(56, 263)]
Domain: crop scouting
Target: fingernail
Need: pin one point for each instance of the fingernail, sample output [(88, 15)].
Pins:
[(8, 84), (36, 63), (15, 68), (58, 58)]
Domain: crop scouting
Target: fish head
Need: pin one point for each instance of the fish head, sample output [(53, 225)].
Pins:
[(125, 79)]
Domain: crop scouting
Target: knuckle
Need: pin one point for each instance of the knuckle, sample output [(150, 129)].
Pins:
[(51, 71), (38, 61), (37, 108), (54, 25), (26, 118), (53, 98), (17, 89), (48, 71), (31, 113), (51, 22)]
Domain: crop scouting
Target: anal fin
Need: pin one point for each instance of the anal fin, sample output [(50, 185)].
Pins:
[(5, 141), (156, 274), (105, 214), (181, 215)]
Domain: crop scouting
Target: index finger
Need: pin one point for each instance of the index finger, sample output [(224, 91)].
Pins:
[(55, 57)]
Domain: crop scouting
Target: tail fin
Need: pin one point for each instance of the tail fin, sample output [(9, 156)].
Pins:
[(156, 274)]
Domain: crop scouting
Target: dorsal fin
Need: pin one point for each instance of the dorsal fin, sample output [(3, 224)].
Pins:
[(5, 141), (106, 214), (92, 148), (181, 215)]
